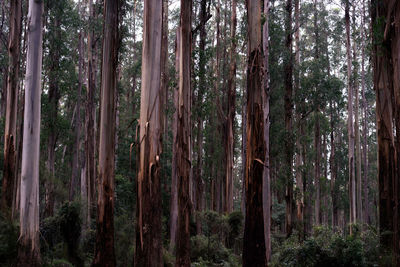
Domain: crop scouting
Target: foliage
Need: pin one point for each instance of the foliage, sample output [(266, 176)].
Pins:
[(328, 248), (8, 241)]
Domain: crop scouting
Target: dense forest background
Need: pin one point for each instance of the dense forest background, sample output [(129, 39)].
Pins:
[(323, 200)]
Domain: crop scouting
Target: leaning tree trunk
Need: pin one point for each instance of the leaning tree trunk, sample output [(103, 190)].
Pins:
[(29, 249), (266, 183), (386, 58), (350, 127), (183, 165), (148, 214), (254, 250), (104, 254), (9, 171)]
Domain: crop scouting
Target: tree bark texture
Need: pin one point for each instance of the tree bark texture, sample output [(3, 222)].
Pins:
[(183, 165), (29, 249), (254, 253), (9, 170), (148, 233), (104, 253), (386, 60)]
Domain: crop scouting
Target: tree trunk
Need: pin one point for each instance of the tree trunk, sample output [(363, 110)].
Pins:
[(266, 184), (350, 127), (230, 118), (76, 150), (387, 85), (365, 121), (183, 135), (200, 113), (357, 130), (174, 181), (254, 253), (29, 250), (299, 158), (104, 254), (333, 167), (90, 111), (148, 233), (9, 171), (288, 65)]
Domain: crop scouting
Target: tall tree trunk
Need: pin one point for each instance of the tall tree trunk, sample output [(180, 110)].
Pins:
[(365, 121), (266, 183), (230, 118), (357, 129), (350, 127), (200, 113), (74, 182), (299, 158), (90, 111), (104, 254), (254, 253), (183, 135), (333, 167), (317, 134), (148, 233), (9, 171), (387, 85), (53, 99), (288, 58), (174, 180), (29, 250)]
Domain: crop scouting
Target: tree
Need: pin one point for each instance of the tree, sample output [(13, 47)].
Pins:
[(386, 39), (230, 118), (183, 135), (14, 41), (148, 234), (90, 112), (29, 250), (350, 127), (104, 255), (288, 68), (266, 185), (254, 253)]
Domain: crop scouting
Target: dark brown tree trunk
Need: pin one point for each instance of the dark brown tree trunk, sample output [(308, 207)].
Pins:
[(148, 233), (386, 56), (104, 254), (254, 253), (183, 136), (9, 171)]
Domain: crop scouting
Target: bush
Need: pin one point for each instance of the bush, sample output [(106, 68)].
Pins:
[(327, 248), (8, 242)]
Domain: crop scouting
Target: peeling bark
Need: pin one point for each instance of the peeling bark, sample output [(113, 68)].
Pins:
[(183, 136), (254, 253), (104, 253), (9, 171), (148, 233)]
